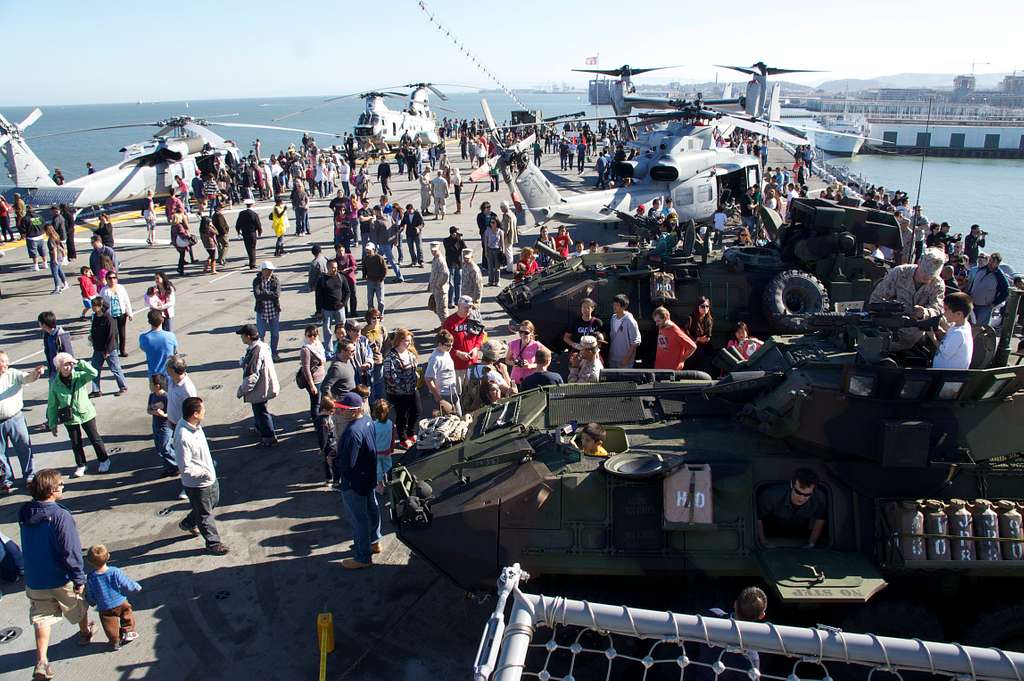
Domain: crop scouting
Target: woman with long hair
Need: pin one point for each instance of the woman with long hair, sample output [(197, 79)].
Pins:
[(161, 296), (400, 381), (181, 237), (55, 248), (699, 327), (313, 363), (69, 227)]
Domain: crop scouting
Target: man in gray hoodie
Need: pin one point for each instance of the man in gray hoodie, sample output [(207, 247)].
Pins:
[(259, 382)]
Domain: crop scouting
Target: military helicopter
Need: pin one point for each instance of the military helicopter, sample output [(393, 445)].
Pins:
[(695, 468), (380, 128), (182, 145)]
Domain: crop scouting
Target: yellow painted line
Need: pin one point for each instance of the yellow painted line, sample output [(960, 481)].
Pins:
[(87, 226)]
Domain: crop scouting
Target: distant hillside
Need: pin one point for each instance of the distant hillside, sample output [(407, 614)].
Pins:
[(986, 81)]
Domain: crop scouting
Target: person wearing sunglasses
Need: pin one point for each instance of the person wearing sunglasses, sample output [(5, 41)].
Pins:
[(793, 511)]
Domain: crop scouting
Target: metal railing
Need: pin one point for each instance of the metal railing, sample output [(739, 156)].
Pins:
[(510, 653)]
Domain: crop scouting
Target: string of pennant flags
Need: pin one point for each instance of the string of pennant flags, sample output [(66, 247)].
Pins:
[(472, 57)]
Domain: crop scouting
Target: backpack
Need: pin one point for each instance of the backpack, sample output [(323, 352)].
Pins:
[(470, 398), (441, 431)]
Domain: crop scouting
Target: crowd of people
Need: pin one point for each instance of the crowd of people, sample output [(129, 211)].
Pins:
[(366, 385)]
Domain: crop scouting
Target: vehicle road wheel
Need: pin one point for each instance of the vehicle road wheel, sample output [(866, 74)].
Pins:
[(793, 293)]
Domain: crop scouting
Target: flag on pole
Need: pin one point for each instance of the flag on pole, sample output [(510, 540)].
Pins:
[(591, 61)]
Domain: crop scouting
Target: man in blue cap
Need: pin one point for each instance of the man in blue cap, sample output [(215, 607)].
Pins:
[(356, 466)]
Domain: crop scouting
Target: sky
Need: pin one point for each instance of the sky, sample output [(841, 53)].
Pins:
[(70, 52)]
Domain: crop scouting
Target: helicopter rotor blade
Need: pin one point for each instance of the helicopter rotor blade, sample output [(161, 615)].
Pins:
[(30, 119), (619, 72), (207, 118), (277, 127), (101, 127), (442, 96), (741, 69), (444, 108), (772, 71)]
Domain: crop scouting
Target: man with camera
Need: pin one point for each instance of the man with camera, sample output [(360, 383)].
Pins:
[(973, 243)]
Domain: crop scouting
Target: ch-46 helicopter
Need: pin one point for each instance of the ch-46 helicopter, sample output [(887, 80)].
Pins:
[(380, 128), (678, 157), (181, 146)]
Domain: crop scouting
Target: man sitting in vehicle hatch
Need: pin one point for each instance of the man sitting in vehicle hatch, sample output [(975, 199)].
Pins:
[(792, 511)]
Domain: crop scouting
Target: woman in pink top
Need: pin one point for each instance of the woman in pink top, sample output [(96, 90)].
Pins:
[(522, 352)]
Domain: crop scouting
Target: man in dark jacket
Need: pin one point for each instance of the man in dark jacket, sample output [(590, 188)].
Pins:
[(453, 245), (55, 340), (97, 253), (54, 572), (220, 225), (384, 175), (412, 221), (249, 228), (332, 292), (356, 466), (266, 289), (103, 336), (483, 221)]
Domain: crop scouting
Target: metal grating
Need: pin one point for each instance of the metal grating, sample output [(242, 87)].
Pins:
[(583, 402)]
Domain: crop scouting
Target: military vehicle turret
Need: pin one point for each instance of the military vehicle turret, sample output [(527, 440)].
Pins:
[(920, 480), (821, 259)]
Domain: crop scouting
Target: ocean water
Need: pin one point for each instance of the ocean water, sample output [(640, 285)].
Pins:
[(959, 191)]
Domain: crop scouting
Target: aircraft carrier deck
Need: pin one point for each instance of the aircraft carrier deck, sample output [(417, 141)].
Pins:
[(251, 614)]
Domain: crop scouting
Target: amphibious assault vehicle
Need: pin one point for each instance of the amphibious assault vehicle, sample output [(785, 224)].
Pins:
[(821, 259), (921, 472)]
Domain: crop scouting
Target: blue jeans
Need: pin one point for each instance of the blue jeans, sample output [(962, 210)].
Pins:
[(415, 244), (15, 430), (57, 272), (163, 437), (375, 291), (982, 314), (385, 250), (455, 284), (264, 421), (364, 517), (273, 325), (301, 221), (115, 368), (12, 562), (331, 317)]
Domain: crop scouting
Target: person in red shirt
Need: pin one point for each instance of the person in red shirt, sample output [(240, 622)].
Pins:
[(674, 346), (527, 265), (563, 242), (467, 336)]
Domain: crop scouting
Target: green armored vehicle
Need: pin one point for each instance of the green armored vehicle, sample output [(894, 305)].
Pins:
[(821, 259), (919, 472)]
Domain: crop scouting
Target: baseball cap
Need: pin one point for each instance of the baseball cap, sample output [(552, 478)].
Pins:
[(465, 300), (349, 400), (267, 265), (354, 325)]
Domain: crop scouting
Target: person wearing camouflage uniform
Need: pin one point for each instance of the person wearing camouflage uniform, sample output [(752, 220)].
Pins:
[(918, 288), (438, 285), (472, 279)]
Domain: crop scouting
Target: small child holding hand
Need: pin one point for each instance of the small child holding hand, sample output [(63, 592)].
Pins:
[(107, 588)]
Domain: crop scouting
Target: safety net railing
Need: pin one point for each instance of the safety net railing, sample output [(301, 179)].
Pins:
[(560, 639)]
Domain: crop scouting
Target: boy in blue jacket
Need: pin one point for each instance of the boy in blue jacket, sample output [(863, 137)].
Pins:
[(107, 588)]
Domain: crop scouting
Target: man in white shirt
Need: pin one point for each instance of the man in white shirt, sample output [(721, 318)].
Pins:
[(440, 372), (198, 475), (957, 347), (12, 422), (624, 335)]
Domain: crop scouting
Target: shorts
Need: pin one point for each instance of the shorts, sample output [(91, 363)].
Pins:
[(36, 247), (47, 606)]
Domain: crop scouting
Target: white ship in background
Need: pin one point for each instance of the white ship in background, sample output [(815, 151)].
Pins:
[(848, 143)]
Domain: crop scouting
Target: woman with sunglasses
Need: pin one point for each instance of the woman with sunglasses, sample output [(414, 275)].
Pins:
[(699, 327), (522, 352)]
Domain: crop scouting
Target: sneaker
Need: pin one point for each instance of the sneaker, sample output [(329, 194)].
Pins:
[(129, 636), (35, 266), (104, 466), (122, 391), (79, 472), (194, 531), (29, 479), (94, 394), (6, 488), (217, 549), (353, 564), (375, 548), (182, 495)]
